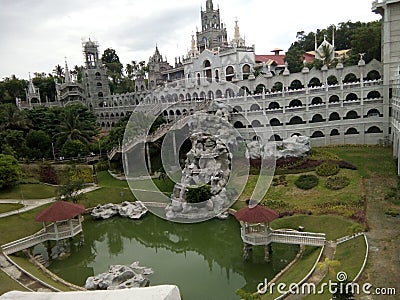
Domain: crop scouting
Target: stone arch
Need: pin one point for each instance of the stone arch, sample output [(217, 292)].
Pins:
[(332, 80), (351, 97), (230, 73), (246, 71), (317, 118), (188, 97), (334, 99), (181, 97), (260, 88), (256, 123), (178, 112), (229, 93), (255, 107), (277, 87), (296, 85), (351, 130), (351, 115), (210, 95), (314, 82), (373, 95), (202, 95), (275, 122), (237, 109), (275, 137), (256, 138), (334, 116), (350, 77), (195, 96), (374, 129), (296, 120), (295, 103), (296, 133), (99, 84), (373, 113), (243, 89), (100, 94), (316, 101), (171, 112), (334, 132), (273, 105), (238, 124), (218, 94), (373, 75), (317, 134)]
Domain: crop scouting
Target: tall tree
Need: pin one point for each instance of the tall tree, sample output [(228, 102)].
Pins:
[(113, 65)]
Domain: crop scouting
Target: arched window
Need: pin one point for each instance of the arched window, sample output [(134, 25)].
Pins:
[(316, 100), (207, 64), (351, 97), (373, 113), (373, 75), (277, 87), (351, 115), (211, 95), (99, 84), (275, 138), (295, 85), (374, 129), (171, 112), (244, 89), (296, 120), (256, 123), (350, 78), (334, 116), (295, 103), (317, 118), (334, 99), (229, 93), (178, 112), (273, 105), (317, 134), (195, 96), (260, 88), (314, 82), (188, 96), (246, 71), (237, 109), (218, 94), (373, 95), (351, 130), (97, 74), (100, 94), (334, 132), (275, 122), (332, 80), (230, 73), (256, 138), (254, 107), (238, 124)]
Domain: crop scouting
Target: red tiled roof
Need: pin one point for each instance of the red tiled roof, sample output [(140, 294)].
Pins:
[(279, 59), (256, 214), (60, 210)]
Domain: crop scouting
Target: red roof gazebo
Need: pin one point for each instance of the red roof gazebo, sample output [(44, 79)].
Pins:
[(62, 214), (256, 214)]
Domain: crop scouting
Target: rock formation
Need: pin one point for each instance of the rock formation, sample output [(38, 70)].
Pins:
[(133, 210)]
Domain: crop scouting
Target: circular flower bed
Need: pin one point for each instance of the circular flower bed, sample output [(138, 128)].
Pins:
[(337, 182), (306, 182), (327, 169)]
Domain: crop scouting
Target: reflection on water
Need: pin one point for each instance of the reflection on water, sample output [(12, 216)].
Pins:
[(204, 260)]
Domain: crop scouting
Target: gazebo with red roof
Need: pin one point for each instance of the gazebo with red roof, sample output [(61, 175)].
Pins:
[(255, 228), (63, 215)]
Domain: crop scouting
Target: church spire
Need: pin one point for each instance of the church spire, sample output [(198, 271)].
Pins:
[(67, 74), (209, 5), (237, 39)]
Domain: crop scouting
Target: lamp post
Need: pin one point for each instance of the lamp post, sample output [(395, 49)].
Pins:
[(52, 147)]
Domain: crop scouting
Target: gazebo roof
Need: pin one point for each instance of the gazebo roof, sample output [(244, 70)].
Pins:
[(256, 214), (60, 210)]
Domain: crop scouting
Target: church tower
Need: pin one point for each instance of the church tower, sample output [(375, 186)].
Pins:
[(212, 34), (94, 78), (156, 66)]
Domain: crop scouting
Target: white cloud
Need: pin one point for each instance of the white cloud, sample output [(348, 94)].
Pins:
[(37, 34)]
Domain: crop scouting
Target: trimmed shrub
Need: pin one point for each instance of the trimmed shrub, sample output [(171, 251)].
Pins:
[(337, 182), (48, 174), (318, 154), (327, 169), (306, 182)]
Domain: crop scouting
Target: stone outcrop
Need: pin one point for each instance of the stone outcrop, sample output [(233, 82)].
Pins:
[(132, 210), (120, 277)]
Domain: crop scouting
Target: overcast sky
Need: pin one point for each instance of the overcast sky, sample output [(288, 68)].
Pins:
[(36, 35)]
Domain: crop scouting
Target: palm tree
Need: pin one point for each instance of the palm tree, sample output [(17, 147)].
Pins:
[(58, 71), (12, 118), (74, 127)]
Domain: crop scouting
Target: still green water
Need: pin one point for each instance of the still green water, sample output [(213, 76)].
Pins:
[(204, 260)]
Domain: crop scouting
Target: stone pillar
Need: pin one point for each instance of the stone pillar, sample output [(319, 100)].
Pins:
[(147, 153), (247, 249), (267, 252)]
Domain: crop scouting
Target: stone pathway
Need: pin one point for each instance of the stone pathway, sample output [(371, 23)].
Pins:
[(317, 275), (30, 204)]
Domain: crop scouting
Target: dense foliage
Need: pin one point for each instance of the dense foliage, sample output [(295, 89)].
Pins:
[(328, 168), (198, 194), (306, 182), (9, 171), (337, 182)]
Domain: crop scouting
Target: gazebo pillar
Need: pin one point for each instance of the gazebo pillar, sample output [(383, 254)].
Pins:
[(71, 227), (267, 252), (247, 249), (56, 230)]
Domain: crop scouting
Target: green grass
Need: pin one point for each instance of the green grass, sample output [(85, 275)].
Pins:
[(28, 191), (333, 226), (8, 284), (35, 271), (107, 195), (298, 271), (351, 255), (106, 180), (6, 207)]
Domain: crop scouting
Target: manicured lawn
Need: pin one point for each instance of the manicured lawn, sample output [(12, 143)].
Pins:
[(7, 284), (107, 195), (106, 180), (298, 271), (333, 226), (28, 191), (35, 271), (5, 207)]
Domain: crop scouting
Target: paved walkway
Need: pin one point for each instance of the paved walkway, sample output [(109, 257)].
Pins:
[(33, 203)]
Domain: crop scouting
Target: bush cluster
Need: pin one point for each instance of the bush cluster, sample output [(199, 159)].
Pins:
[(198, 193), (48, 174), (327, 169), (279, 180), (337, 182), (306, 182)]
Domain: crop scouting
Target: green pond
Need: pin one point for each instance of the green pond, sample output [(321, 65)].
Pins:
[(204, 260)]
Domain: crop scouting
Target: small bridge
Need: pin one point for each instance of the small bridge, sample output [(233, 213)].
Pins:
[(284, 236), (50, 233)]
